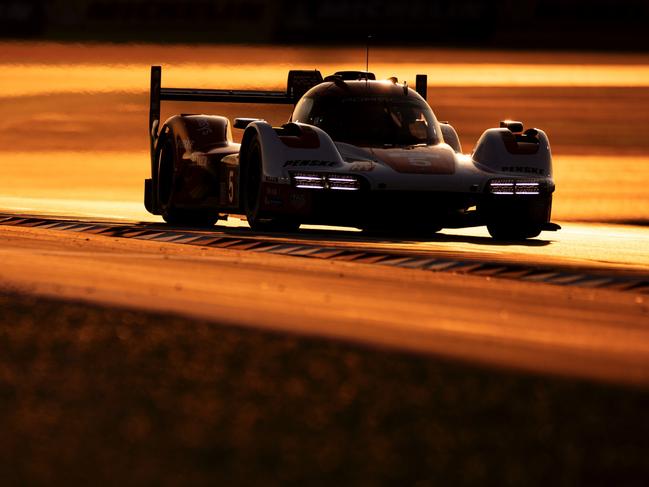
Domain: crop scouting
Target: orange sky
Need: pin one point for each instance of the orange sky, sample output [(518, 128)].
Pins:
[(27, 69), (31, 79)]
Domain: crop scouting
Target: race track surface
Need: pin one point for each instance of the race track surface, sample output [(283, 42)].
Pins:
[(588, 332)]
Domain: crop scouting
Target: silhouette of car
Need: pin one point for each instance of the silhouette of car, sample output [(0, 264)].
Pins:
[(356, 152)]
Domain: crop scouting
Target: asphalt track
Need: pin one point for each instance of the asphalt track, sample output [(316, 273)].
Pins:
[(595, 330)]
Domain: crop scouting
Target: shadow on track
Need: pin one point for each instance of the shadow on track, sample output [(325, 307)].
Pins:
[(336, 235)]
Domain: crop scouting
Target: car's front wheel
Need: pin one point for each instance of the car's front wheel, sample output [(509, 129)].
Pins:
[(517, 219)]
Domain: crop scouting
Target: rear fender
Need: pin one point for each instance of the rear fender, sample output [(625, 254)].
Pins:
[(200, 133), (200, 142)]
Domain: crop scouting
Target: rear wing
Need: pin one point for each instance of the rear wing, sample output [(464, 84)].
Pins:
[(299, 82)]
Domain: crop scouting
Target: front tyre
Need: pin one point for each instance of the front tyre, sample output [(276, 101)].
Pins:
[(517, 219), (252, 196)]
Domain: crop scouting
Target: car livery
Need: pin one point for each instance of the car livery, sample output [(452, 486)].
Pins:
[(356, 152)]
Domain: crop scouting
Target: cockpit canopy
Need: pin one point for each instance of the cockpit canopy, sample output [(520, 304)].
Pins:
[(369, 114)]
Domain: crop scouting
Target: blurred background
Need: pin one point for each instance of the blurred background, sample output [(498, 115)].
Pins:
[(74, 80), (530, 24)]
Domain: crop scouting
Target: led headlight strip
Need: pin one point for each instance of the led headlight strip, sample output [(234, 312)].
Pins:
[(511, 187), (341, 182), (309, 181)]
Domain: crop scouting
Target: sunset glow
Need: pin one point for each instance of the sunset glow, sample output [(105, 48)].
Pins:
[(32, 79)]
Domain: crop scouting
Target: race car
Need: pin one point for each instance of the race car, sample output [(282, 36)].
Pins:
[(356, 151)]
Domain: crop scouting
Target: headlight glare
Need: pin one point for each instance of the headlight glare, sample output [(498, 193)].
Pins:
[(342, 182), (514, 187)]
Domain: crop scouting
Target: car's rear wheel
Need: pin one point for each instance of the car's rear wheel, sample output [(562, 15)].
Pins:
[(170, 213), (252, 196)]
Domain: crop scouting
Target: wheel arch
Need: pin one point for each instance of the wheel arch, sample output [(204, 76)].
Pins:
[(493, 151), (248, 136), (172, 127)]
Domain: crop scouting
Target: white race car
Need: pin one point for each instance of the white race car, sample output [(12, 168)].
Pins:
[(355, 152)]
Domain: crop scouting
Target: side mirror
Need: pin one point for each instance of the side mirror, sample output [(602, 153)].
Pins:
[(242, 123)]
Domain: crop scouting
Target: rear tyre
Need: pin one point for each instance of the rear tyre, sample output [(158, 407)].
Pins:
[(503, 231), (171, 214), (252, 196)]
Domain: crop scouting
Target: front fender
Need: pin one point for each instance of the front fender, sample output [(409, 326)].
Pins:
[(498, 151), (293, 146)]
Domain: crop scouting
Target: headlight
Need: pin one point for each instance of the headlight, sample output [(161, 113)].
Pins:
[(342, 182), (310, 181), (512, 186), (527, 188)]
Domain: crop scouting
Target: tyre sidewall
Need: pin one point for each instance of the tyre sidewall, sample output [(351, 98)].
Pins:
[(253, 178), (166, 174)]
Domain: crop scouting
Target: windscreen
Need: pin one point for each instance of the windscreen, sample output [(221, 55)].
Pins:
[(370, 121)]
